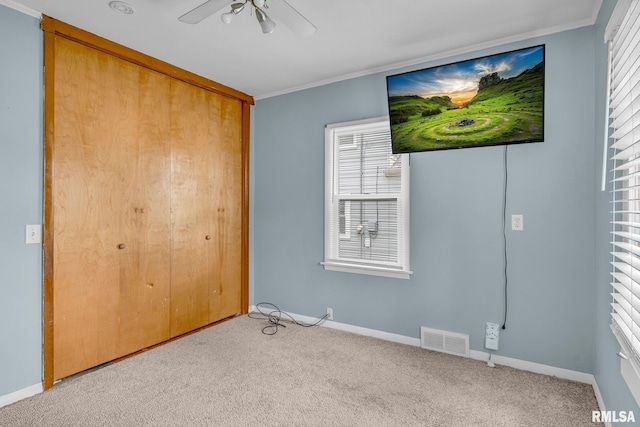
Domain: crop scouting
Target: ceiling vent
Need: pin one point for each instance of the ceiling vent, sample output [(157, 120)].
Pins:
[(444, 341)]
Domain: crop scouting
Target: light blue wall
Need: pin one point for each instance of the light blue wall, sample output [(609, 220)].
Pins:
[(21, 158), (456, 218), (456, 215), (606, 364)]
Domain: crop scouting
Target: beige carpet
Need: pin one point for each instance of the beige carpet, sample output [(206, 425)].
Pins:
[(233, 375)]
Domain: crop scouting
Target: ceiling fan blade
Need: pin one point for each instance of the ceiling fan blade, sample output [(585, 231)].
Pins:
[(203, 11), (291, 18)]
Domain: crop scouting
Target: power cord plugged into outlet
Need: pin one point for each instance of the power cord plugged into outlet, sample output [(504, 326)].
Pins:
[(490, 362), (491, 339)]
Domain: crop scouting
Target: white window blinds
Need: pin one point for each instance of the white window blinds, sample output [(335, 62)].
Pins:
[(624, 110), (366, 201)]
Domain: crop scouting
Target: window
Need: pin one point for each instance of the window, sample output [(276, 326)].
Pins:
[(623, 36), (366, 201)]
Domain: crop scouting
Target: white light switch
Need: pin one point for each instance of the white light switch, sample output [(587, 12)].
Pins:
[(33, 234)]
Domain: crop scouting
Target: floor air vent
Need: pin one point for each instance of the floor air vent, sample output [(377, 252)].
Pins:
[(444, 341)]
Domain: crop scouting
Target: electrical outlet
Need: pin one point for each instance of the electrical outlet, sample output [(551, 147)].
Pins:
[(492, 335), (517, 222), (329, 313)]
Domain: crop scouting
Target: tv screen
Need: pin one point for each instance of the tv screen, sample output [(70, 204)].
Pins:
[(493, 100)]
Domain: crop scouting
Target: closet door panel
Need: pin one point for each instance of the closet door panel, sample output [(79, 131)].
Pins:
[(190, 206), (110, 209), (145, 275), (207, 166), (225, 254), (86, 193)]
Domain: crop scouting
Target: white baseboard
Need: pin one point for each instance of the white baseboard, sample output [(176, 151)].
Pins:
[(600, 400), (10, 398), (538, 368), (402, 339), (473, 354)]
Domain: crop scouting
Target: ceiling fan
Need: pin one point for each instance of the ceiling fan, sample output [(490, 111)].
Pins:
[(284, 12)]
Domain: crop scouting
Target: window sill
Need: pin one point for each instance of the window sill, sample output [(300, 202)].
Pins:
[(368, 270)]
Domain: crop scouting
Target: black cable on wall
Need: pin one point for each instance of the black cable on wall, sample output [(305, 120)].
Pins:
[(504, 236)]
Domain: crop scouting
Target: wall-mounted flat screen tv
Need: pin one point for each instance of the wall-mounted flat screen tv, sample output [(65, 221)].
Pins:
[(493, 100)]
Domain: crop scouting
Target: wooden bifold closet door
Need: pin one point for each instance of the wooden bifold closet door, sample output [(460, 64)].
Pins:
[(111, 208), (145, 207), (205, 207)]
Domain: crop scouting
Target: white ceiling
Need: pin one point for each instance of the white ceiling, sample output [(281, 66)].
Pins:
[(354, 37)]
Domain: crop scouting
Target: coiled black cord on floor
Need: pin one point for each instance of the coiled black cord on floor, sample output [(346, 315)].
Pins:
[(274, 317)]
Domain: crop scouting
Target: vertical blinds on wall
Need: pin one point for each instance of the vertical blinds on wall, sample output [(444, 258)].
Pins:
[(624, 108)]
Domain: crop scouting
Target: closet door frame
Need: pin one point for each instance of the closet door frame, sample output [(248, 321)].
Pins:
[(53, 29)]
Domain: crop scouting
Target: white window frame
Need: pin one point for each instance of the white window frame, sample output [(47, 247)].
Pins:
[(622, 36), (332, 261)]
